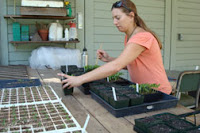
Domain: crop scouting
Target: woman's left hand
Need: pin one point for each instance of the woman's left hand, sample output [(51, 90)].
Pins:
[(70, 81)]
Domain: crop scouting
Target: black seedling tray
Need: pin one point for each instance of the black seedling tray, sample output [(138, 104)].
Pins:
[(167, 101), (13, 83)]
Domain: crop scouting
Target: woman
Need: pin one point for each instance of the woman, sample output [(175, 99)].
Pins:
[(141, 55)]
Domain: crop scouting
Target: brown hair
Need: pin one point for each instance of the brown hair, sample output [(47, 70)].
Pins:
[(128, 7)]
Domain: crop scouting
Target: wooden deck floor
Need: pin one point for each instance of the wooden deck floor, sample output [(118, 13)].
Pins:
[(101, 121)]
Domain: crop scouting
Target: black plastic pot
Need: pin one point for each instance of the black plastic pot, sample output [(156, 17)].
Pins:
[(144, 123), (122, 101), (135, 99), (156, 96), (105, 94), (68, 91)]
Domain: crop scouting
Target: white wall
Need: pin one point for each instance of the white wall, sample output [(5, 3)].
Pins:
[(186, 52)]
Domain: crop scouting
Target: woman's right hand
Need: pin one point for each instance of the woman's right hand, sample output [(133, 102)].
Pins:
[(102, 55)]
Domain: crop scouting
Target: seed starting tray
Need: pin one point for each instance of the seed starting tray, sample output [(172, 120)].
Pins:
[(167, 101), (35, 109)]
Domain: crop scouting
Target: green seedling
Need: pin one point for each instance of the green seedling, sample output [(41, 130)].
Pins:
[(115, 77), (90, 67), (146, 88)]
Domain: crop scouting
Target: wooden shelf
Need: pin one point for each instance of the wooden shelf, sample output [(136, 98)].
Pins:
[(38, 17), (44, 42)]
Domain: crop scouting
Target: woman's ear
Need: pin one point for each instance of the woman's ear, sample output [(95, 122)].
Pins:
[(132, 14)]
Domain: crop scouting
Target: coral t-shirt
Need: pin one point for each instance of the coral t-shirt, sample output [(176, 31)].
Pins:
[(148, 66)]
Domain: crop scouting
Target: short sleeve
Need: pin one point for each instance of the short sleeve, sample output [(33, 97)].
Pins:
[(145, 39)]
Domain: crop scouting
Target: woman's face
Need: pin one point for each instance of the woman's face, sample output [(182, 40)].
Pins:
[(121, 20)]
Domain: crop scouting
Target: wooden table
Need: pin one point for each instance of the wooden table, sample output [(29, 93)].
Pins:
[(101, 121)]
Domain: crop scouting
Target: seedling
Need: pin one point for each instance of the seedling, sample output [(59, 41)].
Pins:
[(115, 77), (90, 67), (146, 88)]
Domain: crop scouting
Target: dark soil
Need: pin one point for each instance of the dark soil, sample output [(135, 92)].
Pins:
[(133, 96), (165, 116), (161, 128), (181, 124), (147, 120), (194, 131)]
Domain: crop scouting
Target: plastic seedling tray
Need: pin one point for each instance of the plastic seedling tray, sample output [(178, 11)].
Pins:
[(144, 123), (167, 101), (181, 124), (35, 109), (161, 128), (195, 130), (25, 95), (166, 116), (13, 83)]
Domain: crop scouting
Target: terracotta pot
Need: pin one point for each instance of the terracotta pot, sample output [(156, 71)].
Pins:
[(43, 34)]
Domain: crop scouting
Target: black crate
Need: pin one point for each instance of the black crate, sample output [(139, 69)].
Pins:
[(167, 101)]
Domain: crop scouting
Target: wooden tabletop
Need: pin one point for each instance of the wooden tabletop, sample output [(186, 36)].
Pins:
[(101, 121)]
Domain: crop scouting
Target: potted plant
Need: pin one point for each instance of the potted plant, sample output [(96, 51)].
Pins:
[(150, 94)]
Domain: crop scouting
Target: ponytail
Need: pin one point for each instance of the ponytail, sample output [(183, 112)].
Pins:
[(139, 22)]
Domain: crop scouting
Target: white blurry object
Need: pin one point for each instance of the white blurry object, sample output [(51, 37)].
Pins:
[(137, 87), (66, 34), (197, 68), (72, 31), (55, 31), (42, 3), (80, 20), (54, 57)]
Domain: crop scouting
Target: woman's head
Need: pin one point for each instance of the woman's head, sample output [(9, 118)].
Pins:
[(129, 8)]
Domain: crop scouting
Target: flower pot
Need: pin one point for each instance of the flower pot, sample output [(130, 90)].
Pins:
[(68, 91), (43, 34), (135, 99), (122, 101), (105, 94), (153, 97)]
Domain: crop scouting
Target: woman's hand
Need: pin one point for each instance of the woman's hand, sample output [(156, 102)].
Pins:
[(70, 81), (102, 55)]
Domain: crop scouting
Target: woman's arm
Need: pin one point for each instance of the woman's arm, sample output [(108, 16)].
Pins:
[(130, 53)]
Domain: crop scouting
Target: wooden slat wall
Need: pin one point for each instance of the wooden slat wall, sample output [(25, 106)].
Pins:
[(20, 54), (188, 24), (106, 34)]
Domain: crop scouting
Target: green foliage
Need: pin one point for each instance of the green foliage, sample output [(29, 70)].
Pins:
[(90, 67), (146, 88), (115, 76)]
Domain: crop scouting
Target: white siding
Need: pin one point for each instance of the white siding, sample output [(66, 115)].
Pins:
[(188, 24), (106, 34)]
